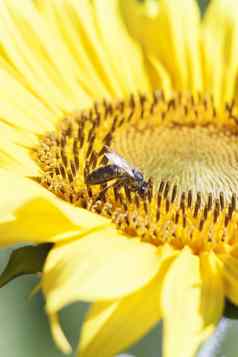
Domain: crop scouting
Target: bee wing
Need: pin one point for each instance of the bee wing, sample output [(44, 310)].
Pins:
[(119, 161)]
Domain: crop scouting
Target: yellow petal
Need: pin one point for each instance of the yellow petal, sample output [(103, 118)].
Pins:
[(28, 212), (48, 34), (103, 265), (212, 294), (58, 334), (160, 78), (229, 268), (141, 18), (111, 327), (186, 304), (59, 16), (29, 51), (87, 26), (21, 109), (17, 159), (220, 49), (15, 150), (16, 135), (167, 33), (123, 53)]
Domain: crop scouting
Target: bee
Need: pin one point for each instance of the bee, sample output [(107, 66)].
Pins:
[(120, 171)]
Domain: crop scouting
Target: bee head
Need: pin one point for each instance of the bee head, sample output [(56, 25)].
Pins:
[(144, 189), (138, 175)]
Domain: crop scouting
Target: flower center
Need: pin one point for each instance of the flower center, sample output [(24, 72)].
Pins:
[(181, 149), (201, 159)]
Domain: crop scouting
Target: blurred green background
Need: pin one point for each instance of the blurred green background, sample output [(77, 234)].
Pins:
[(25, 332)]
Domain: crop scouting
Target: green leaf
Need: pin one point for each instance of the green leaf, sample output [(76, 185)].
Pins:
[(25, 260), (231, 310)]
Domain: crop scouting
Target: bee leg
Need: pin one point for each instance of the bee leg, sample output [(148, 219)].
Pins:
[(150, 188), (101, 195), (127, 193)]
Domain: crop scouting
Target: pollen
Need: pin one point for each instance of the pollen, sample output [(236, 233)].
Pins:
[(183, 146)]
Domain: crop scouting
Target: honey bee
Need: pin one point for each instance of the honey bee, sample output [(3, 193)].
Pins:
[(120, 171)]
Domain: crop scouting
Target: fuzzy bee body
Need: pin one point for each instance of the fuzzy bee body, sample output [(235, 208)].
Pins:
[(121, 172), (104, 174)]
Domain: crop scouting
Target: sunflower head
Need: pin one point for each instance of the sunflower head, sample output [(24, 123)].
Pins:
[(187, 155), (119, 128)]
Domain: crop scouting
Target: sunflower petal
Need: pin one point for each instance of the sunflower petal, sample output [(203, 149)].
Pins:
[(220, 49), (46, 30), (108, 330), (187, 302), (129, 70), (212, 295), (28, 212), (58, 335), (30, 54), (229, 268), (160, 78), (68, 29), (17, 159), (177, 37), (111, 266), (21, 109)]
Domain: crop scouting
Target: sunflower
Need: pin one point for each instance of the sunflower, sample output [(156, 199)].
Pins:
[(87, 86)]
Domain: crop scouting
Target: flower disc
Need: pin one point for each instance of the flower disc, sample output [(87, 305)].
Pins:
[(181, 145)]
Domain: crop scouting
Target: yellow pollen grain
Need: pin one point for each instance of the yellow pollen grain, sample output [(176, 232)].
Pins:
[(187, 149)]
